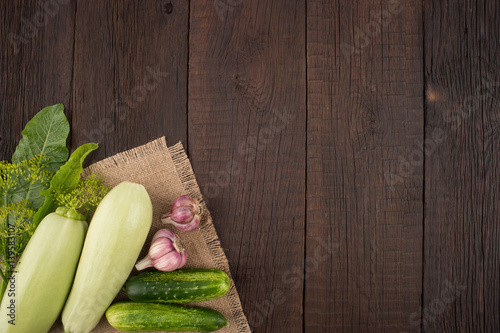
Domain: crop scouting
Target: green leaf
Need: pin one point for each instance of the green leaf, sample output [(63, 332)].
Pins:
[(66, 179), (45, 134)]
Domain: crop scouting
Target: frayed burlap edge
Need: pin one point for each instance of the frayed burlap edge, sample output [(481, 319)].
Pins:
[(127, 156), (188, 180)]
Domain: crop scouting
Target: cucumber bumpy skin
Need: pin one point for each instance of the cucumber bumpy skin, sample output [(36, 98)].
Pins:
[(179, 286), (152, 317)]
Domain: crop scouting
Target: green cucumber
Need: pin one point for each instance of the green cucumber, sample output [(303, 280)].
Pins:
[(180, 286), (151, 317)]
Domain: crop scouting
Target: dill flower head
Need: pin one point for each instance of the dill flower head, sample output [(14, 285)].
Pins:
[(20, 186), (85, 197), (15, 230), (23, 181)]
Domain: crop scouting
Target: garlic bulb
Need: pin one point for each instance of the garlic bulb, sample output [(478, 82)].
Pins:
[(184, 214), (166, 252)]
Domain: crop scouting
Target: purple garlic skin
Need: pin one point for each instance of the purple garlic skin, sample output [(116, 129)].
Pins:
[(184, 201), (184, 214), (166, 252)]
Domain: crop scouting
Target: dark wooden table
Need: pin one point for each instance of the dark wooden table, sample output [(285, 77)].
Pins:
[(349, 151)]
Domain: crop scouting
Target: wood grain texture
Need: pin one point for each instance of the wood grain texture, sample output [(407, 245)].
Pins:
[(365, 119), (36, 64), (130, 73), (462, 253), (348, 150), (247, 115)]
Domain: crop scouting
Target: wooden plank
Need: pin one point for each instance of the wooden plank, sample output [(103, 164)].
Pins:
[(462, 266), (247, 145), (364, 166), (36, 63), (130, 73)]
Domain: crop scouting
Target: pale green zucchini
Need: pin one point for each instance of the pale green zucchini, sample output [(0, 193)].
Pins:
[(37, 290), (114, 240)]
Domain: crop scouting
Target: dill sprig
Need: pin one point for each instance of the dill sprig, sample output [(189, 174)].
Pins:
[(15, 232), (23, 181), (20, 186), (85, 197)]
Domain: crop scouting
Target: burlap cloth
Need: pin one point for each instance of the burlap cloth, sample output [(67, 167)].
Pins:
[(167, 174)]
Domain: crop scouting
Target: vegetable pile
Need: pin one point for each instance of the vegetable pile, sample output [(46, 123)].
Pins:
[(158, 296), (68, 245)]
